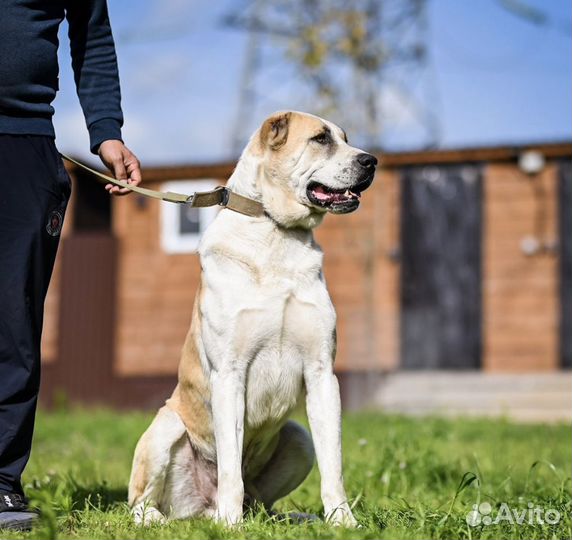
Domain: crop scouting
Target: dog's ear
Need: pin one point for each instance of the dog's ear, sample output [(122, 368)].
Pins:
[(274, 131)]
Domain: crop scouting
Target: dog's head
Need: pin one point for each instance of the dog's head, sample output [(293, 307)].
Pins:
[(307, 168)]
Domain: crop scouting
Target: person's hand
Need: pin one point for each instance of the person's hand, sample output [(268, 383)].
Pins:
[(122, 163)]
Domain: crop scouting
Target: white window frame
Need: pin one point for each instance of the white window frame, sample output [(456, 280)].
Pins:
[(172, 240)]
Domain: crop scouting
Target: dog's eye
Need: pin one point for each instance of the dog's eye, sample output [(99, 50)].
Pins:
[(322, 138)]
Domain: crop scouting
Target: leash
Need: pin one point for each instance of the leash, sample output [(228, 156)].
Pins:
[(221, 195)]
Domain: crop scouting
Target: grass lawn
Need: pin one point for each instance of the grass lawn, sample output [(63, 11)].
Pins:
[(406, 478)]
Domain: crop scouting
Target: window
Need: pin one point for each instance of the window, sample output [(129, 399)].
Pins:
[(182, 225)]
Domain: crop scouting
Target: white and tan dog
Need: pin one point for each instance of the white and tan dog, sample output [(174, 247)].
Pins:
[(262, 333)]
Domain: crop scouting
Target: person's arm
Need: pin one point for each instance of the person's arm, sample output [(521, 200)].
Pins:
[(97, 81)]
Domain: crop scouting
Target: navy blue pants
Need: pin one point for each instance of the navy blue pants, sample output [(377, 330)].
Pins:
[(34, 191)]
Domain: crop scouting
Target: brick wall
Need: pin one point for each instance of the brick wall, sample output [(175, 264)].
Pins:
[(520, 292), (155, 290)]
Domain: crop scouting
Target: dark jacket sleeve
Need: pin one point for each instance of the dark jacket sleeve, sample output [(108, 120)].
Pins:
[(95, 69)]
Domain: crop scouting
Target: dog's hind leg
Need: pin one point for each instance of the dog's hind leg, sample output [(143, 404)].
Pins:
[(288, 466), (151, 464)]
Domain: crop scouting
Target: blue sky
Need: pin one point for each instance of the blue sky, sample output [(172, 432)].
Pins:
[(499, 79)]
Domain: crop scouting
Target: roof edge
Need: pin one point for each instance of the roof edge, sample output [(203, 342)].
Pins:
[(389, 160)]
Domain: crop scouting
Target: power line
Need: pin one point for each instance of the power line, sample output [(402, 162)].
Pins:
[(535, 15)]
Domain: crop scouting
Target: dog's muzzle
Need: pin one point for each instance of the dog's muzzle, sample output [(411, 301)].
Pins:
[(343, 201)]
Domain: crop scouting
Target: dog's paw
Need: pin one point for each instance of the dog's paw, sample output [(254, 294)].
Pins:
[(342, 517), (146, 515), (229, 516)]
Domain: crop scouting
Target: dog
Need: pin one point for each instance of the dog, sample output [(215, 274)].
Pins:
[(262, 335)]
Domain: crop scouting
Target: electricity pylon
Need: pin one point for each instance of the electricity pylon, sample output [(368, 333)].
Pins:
[(362, 63)]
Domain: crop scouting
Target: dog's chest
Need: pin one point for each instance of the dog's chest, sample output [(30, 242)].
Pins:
[(288, 320), (282, 341), (269, 306)]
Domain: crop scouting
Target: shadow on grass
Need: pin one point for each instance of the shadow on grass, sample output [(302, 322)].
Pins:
[(99, 496)]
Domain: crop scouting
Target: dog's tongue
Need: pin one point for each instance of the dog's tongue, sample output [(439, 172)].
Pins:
[(333, 196), (320, 194)]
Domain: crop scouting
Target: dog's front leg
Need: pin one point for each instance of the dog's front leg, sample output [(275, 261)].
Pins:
[(228, 417), (324, 413)]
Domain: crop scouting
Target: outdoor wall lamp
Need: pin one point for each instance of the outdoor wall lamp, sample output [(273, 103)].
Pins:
[(531, 163)]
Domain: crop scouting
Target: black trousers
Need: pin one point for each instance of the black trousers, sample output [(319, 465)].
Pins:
[(34, 192)]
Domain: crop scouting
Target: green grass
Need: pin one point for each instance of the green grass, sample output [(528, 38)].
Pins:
[(406, 478)]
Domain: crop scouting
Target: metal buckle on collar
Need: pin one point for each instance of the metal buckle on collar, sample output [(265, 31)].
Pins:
[(224, 195)]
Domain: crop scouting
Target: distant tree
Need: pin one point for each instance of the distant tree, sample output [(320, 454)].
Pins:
[(348, 51)]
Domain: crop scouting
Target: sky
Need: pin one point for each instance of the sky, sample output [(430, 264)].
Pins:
[(496, 79)]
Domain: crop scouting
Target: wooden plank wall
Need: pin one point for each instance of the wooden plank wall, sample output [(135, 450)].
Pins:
[(51, 330), (155, 291)]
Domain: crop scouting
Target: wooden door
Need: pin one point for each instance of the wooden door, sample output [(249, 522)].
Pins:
[(565, 226), (441, 267)]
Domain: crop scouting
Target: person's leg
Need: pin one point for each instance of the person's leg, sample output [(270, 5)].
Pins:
[(34, 191)]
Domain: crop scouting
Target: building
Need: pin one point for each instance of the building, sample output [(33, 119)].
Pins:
[(452, 283)]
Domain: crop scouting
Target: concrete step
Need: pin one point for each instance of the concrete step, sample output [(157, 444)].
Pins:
[(479, 381), (524, 397)]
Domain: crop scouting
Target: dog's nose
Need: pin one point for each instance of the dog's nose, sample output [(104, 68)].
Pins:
[(367, 161)]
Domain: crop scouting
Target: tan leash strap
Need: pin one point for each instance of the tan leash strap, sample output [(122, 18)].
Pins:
[(221, 195)]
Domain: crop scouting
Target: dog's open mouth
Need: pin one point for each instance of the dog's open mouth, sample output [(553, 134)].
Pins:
[(337, 201)]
